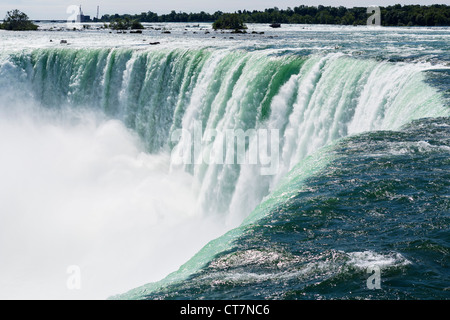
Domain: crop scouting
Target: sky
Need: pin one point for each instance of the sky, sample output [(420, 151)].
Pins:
[(57, 9)]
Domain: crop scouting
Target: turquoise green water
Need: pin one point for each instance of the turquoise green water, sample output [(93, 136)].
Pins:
[(363, 171), (381, 201)]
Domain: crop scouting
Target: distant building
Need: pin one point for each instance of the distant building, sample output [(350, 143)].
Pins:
[(82, 18)]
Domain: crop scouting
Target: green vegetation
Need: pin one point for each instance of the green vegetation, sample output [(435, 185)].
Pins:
[(396, 15), (125, 24), (171, 17), (230, 21), (16, 20)]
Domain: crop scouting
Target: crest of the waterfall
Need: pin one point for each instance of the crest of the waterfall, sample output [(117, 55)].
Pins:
[(214, 147), (305, 84), (394, 95), (330, 97), (185, 102)]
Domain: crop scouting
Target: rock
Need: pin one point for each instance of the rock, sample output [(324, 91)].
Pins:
[(275, 25), (154, 43), (63, 42)]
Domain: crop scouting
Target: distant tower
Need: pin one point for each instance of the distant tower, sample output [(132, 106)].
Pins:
[(80, 16), (98, 11)]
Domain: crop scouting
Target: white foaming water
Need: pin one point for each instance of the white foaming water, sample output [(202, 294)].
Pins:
[(366, 259), (79, 190)]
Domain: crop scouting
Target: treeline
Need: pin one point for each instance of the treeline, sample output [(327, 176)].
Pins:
[(396, 15)]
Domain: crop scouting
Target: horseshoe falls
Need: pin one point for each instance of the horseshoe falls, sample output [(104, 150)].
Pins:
[(275, 166)]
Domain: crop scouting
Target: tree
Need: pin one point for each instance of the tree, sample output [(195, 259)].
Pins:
[(119, 24), (125, 24), (18, 21), (348, 18), (324, 17), (136, 25), (230, 21)]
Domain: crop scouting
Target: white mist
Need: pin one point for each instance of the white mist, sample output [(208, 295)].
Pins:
[(78, 190)]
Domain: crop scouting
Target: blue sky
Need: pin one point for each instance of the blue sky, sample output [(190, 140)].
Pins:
[(56, 9)]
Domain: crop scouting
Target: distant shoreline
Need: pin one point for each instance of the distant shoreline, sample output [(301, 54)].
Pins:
[(394, 15)]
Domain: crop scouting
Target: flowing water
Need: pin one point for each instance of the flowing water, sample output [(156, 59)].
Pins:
[(358, 176)]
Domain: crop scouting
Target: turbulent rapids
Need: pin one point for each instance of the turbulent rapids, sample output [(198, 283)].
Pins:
[(324, 108)]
